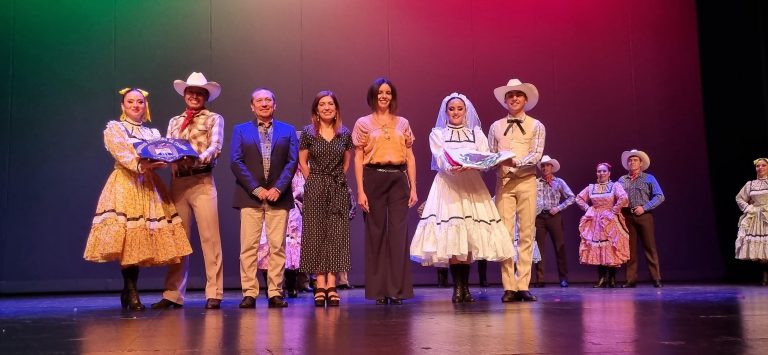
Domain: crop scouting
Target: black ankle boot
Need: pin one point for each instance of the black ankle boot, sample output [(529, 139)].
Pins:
[(482, 272), (466, 296), (458, 295), (612, 277), (129, 298), (603, 280), (290, 283), (442, 277)]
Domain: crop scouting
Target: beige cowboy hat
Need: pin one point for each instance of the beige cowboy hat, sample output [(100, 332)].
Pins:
[(547, 160), (645, 161), (199, 80), (515, 84)]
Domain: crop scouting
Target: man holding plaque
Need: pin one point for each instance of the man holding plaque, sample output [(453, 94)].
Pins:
[(194, 191), (516, 182)]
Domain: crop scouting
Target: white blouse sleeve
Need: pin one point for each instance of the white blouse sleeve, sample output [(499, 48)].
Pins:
[(437, 145)]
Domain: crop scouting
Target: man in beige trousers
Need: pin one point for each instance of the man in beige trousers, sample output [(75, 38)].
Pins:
[(194, 191), (516, 182)]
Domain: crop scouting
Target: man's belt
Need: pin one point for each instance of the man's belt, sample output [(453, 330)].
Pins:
[(193, 171)]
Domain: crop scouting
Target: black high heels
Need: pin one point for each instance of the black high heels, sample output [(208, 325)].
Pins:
[(320, 297), (334, 299)]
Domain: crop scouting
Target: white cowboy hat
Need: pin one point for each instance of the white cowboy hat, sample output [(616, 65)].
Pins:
[(530, 91), (547, 160), (199, 80), (645, 161)]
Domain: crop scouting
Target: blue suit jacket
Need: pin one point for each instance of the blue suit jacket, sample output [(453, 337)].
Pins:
[(248, 166)]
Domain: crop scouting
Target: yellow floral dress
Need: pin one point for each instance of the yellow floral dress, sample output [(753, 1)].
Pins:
[(135, 223)]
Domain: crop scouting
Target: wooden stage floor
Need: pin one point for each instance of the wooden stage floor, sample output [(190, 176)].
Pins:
[(677, 319)]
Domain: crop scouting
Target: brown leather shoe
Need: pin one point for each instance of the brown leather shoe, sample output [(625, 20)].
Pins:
[(277, 302), (509, 296), (248, 302), (525, 296), (165, 304), (212, 303)]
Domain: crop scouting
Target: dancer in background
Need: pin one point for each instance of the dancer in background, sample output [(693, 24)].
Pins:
[(604, 236), (552, 196), (752, 237), (645, 196)]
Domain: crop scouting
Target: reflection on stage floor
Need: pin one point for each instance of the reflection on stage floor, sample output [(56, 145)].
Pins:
[(704, 319)]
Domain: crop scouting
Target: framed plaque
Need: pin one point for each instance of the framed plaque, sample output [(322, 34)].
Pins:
[(166, 150)]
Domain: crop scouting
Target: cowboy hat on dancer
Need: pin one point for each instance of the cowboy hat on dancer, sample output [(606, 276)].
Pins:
[(547, 160), (530, 91), (197, 79), (645, 161)]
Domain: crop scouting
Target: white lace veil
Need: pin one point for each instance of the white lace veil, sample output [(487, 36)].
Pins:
[(471, 119)]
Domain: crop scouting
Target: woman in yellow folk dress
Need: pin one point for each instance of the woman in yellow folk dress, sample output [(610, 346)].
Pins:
[(136, 223)]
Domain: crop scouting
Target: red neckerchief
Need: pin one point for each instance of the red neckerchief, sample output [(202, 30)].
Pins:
[(188, 115), (550, 180), (634, 177)]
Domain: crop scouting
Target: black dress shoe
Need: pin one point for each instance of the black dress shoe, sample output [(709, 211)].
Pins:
[(248, 302), (525, 296), (293, 293), (657, 284), (345, 286), (382, 301), (629, 284), (213, 303), (563, 283), (509, 296), (395, 301), (165, 304), (277, 302)]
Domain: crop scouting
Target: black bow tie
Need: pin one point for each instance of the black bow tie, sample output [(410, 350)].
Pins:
[(513, 121)]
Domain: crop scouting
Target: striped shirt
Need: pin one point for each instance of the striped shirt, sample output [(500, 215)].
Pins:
[(265, 138), (265, 146), (643, 191), (549, 196)]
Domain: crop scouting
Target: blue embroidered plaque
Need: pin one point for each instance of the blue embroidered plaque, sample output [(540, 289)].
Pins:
[(166, 150)]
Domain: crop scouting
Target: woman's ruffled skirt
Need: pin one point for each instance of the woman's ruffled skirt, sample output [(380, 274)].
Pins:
[(604, 238), (752, 237), (136, 223), (460, 220)]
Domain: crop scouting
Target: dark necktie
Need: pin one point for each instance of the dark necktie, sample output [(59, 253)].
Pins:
[(513, 121)]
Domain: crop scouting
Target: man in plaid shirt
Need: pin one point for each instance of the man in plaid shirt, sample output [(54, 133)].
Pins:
[(551, 190), (194, 191)]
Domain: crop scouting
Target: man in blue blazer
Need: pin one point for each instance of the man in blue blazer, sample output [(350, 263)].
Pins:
[(264, 157)]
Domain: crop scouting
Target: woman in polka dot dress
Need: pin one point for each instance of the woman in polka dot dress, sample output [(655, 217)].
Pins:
[(324, 156)]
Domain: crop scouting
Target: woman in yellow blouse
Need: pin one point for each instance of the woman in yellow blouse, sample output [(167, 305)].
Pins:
[(385, 171)]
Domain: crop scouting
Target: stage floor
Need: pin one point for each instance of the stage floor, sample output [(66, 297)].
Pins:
[(677, 319)]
